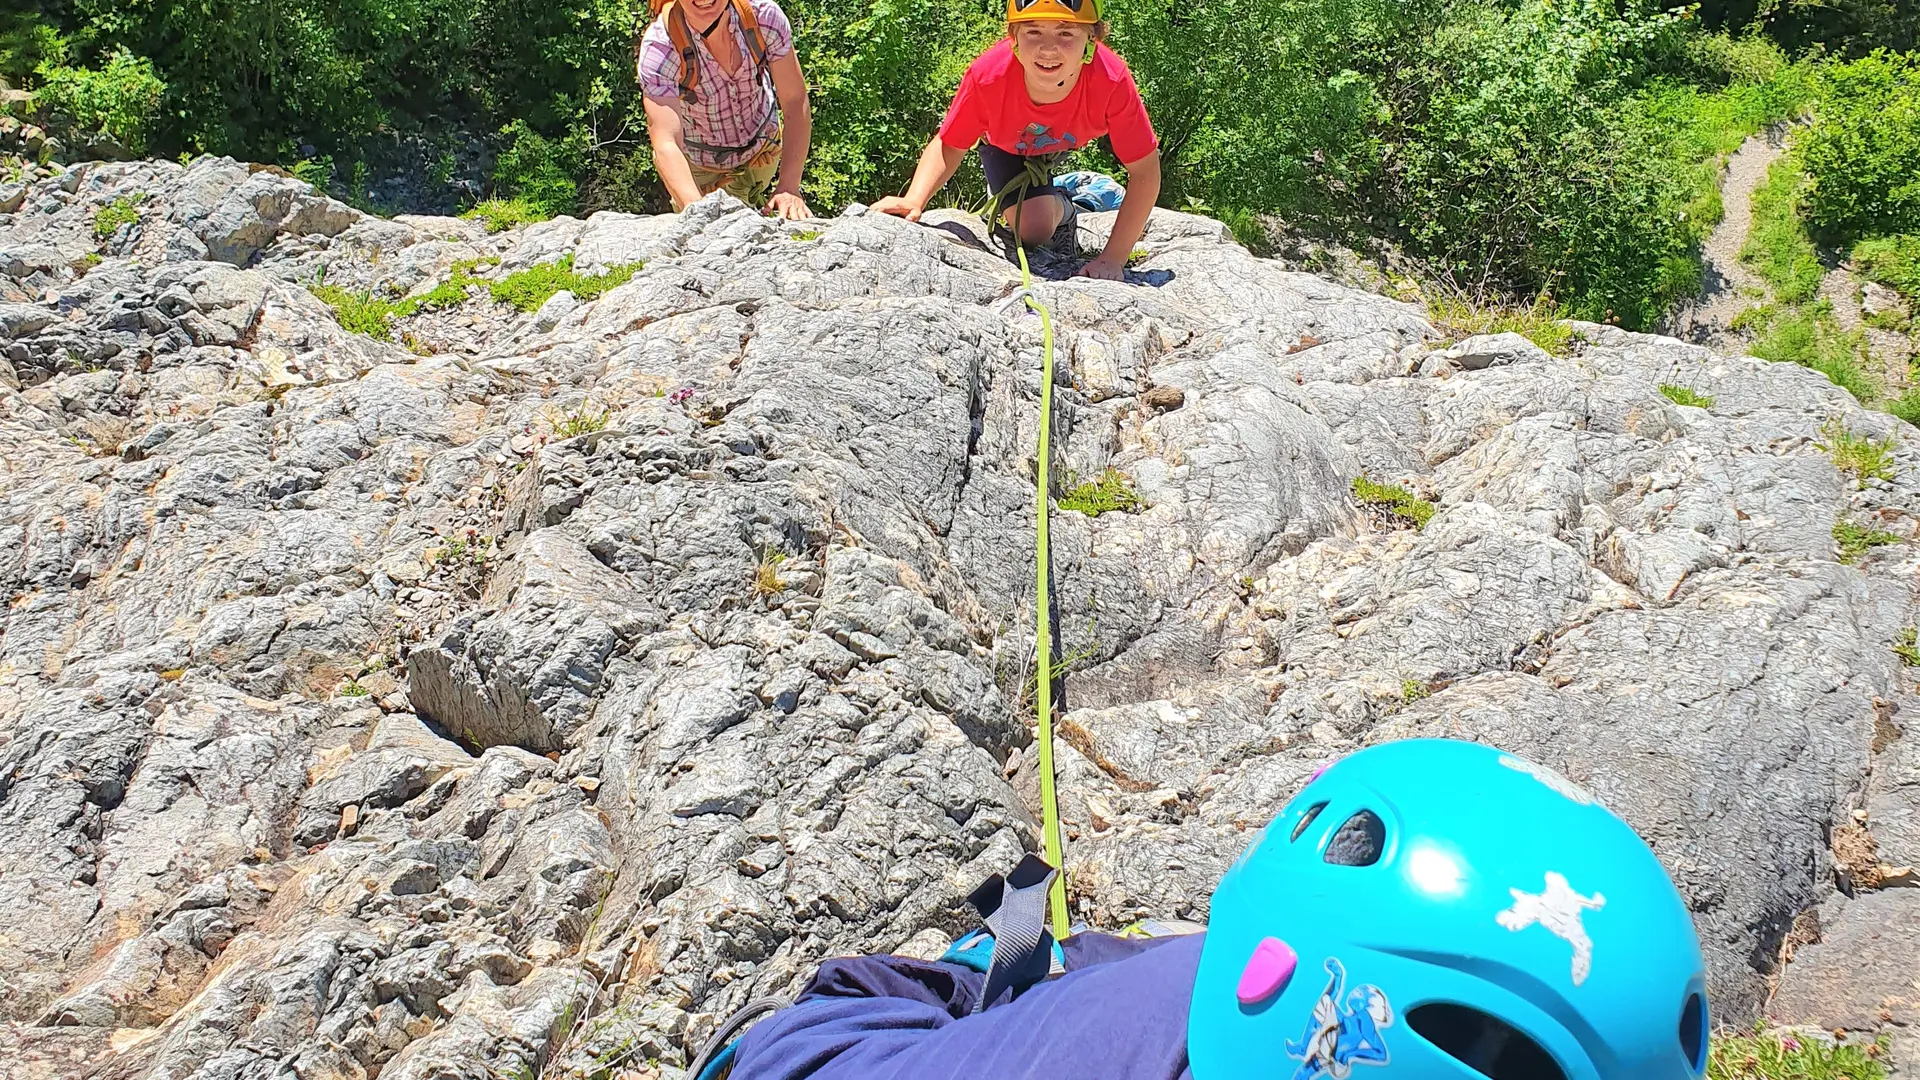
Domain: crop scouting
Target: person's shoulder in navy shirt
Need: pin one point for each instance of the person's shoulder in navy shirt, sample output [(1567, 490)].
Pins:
[(893, 1018)]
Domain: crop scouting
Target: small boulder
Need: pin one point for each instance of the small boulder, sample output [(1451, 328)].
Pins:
[(1483, 351), (1164, 398)]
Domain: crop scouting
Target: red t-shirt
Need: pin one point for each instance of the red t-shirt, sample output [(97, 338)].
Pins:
[(993, 102)]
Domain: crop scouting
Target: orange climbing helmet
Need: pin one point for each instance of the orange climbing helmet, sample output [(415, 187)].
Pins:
[(1074, 11)]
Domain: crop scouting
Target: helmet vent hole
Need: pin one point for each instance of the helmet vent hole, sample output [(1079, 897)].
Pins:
[(1359, 842), (1306, 819), (1693, 1032), (1488, 1045)]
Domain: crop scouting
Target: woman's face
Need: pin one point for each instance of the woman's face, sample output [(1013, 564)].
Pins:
[(1050, 48)]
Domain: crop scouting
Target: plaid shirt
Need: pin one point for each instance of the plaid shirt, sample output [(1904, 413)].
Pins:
[(739, 110)]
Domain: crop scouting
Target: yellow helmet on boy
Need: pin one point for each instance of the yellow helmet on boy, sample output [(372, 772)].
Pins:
[(1075, 11)]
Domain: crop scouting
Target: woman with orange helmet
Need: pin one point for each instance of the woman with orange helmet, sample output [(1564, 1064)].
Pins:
[(1051, 87)]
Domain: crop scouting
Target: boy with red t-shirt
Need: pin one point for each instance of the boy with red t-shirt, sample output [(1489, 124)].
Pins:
[(1050, 88)]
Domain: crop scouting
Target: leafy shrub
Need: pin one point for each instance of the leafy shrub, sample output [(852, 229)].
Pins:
[(121, 100), (538, 171), (1860, 151)]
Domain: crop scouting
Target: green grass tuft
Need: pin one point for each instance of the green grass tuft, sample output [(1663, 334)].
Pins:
[(358, 312), (1907, 648), (1855, 540), (804, 235), (580, 422), (1865, 458), (528, 289), (1907, 406), (364, 313), (1779, 1055), (1809, 336), (503, 214), (121, 211), (1541, 322), (1893, 261), (1778, 247), (1396, 501), (1111, 490), (1412, 690), (1682, 395)]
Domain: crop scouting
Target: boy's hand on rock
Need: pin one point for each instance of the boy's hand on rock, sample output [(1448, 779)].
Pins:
[(1104, 268), (789, 206), (898, 207)]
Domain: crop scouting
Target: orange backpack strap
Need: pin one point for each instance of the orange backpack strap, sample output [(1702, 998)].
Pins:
[(750, 29), (681, 35)]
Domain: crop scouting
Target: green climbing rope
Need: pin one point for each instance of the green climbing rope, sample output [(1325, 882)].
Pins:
[(1043, 600)]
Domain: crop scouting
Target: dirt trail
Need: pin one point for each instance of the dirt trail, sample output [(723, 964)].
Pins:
[(1726, 284)]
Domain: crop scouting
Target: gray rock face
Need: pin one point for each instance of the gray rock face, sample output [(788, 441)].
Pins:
[(548, 696)]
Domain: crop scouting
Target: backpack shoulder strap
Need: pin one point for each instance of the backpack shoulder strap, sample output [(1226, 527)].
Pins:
[(682, 37), (750, 29)]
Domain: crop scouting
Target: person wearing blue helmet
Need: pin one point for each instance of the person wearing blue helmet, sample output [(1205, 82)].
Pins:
[(1421, 910)]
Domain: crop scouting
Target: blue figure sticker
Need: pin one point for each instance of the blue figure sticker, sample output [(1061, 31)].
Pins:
[(1342, 1034), (1039, 139)]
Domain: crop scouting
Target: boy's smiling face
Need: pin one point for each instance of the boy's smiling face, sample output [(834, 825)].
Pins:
[(1050, 49)]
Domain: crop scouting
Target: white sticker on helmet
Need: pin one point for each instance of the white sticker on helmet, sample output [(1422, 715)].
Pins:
[(1551, 778), (1556, 907)]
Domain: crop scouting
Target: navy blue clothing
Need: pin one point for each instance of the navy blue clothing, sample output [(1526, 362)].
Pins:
[(1120, 1013)]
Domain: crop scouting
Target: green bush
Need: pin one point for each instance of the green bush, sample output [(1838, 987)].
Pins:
[(120, 100), (1395, 501), (539, 172), (1862, 148)]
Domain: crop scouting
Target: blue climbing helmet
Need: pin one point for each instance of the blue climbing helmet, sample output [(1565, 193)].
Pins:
[(1436, 909)]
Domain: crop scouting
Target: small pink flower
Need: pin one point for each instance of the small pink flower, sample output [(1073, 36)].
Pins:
[(1789, 1043), (680, 396)]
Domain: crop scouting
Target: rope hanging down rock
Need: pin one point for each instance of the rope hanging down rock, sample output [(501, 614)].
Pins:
[(1045, 632)]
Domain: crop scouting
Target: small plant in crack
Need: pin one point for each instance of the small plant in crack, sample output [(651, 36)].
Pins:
[(581, 421), (1111, 490), (1784, 1055), (1862, 457), (1907, 648), (1685, 395), (1412, 690), (1395, 502), (1854, 539), (766, 574)]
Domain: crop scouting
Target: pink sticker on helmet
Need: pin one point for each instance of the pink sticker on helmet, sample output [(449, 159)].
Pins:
[(1267, 971)]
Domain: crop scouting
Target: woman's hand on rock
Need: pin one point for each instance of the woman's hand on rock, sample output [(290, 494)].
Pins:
[(898, 207)]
